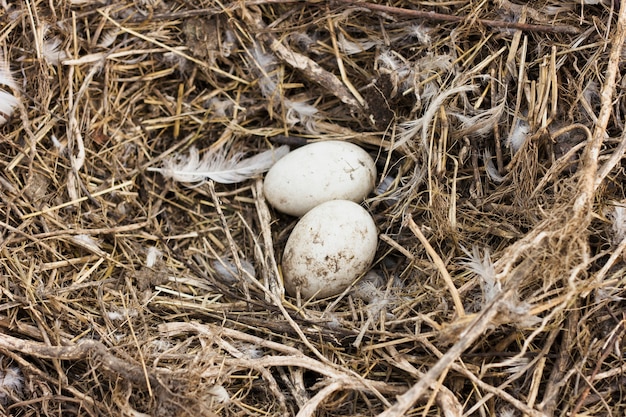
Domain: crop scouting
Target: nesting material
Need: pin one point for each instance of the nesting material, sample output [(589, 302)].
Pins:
[(497, 287)]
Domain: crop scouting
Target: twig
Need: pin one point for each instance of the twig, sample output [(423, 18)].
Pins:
[(615, 158), (274, 283), (444, 397), (78, 200), (527, 27), (289, 356), (608, 346), (475, 329), (458, 304), (81, 351), (309, 68), (310, 407), (589, 179)]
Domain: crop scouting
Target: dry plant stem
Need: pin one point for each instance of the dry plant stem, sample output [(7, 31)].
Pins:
[(616, 254), (614, 159), (439, 17), (293, 357), (74, 141), (498, 392), (309, 68), (342, 69), (496, 127), (139, 351), (231, 243), (456, 298), (156, 79), (590, 180), (617, 334), (274, 283), (78, 200), (563, 161), (562, 364), (308, 410), (81, 351), (170, 49), (445, 398), (474, 330)]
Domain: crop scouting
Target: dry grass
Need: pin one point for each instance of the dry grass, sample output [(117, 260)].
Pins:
[(498, 289)]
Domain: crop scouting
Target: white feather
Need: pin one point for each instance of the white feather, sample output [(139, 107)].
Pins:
[(421, 33), (89, 243), (619, 222), (219, 393), (108, 38), (410, 129), (389, 60), (226, 269), (491, 169), (11, 381), (484, 269), (52, 52), (518, 136), (481, 123), (153, 256), (216, 166), (8, 101), (351, 48), (229, 43), (301, 112), (221, 108), (492, 287), (266, 66), (6, 79)]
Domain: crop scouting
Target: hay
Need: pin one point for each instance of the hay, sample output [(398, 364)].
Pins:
[(497, 127)]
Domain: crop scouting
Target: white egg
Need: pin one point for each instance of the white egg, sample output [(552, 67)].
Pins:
[(319, 172), (332, 245)]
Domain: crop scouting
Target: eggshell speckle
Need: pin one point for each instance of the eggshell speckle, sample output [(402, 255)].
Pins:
[(319, 172), (328, 249)]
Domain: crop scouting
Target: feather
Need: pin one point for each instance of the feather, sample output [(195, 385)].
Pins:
[(351, 48), (518, 136), (153, 256), (618, 215), (491, 169), (8, 101), (301, 112), (52, 52), (11, 381), (484, 269), (193, 171), (226, 270)]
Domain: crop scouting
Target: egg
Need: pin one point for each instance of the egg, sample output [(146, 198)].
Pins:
[(332, 245), (319, 172)]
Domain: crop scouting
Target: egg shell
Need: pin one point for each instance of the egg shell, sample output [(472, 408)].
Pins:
[(331, 245), (319, 172)]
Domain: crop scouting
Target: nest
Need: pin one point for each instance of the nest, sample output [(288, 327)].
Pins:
[(498, 285)]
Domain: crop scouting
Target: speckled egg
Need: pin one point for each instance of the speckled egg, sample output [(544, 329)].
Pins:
[(332, 245), (319, 172)]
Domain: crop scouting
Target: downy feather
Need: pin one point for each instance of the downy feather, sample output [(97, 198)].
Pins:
[(491, 169), (8, 101), (193, 171)]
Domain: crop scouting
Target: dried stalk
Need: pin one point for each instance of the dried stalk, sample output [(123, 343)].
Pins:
[(439, 17)]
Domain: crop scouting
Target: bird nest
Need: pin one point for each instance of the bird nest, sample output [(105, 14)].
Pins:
[(498, 283)]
